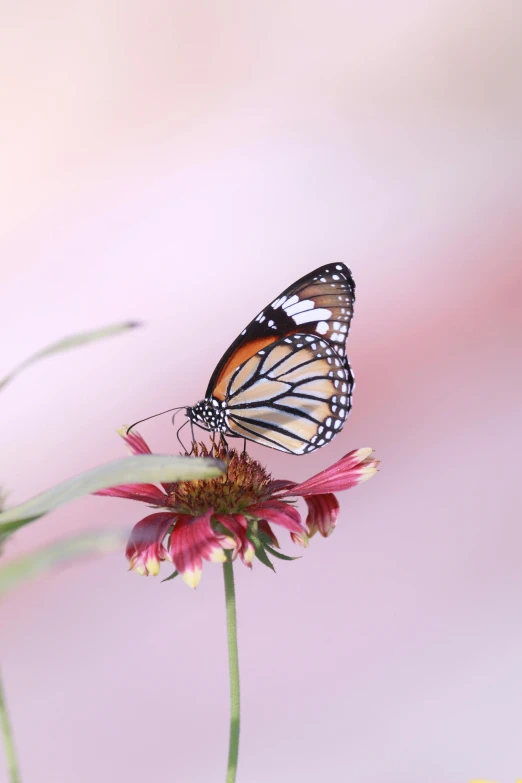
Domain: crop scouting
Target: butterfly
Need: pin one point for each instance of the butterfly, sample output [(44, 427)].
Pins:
[(286, 381)]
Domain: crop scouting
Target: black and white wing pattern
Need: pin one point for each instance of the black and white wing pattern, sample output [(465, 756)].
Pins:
[(293, 395), (286, 382), (320, 303)]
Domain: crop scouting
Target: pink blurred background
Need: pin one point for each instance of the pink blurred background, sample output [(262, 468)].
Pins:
[(182, 163)]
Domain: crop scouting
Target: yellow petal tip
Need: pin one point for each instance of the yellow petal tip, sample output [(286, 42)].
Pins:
[(153, 567), (249, 555), (218, 556), (191, 578)]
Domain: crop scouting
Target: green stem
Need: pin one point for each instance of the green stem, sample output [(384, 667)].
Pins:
[(5, 724), (233, 665)]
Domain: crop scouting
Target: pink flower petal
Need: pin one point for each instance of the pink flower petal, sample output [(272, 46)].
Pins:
[(350, 470), (280, 513), (278, 484), (193, 539), (145, 548), (323, 511), (237, 525), (136, 445), (135, 442), (299, 538), (146, 493)]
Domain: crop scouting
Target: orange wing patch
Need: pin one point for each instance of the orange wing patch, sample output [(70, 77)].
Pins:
[(243, 354)]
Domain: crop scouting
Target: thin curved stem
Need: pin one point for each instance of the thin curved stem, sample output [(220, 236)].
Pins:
[(10, 755), (233, 665)]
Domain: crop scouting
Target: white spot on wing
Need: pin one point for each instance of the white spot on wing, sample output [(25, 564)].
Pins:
[(316, 314), (292, 301), (298, 307), (322, 327)]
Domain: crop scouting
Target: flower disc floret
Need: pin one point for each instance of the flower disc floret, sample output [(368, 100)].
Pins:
[(245, 484)]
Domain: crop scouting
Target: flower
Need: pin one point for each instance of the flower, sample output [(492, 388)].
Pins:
[(201, 520)]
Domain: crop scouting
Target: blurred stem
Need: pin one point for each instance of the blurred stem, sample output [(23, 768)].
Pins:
[(10, 754), (233, 665)]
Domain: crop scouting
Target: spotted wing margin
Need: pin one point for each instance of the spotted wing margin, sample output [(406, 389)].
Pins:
[(293, 395), (320, 303)]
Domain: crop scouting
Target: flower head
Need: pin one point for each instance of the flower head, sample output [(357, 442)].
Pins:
[(201, 520)]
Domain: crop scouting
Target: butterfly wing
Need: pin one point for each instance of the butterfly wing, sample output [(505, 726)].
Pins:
[(320, 304), (293, 395)]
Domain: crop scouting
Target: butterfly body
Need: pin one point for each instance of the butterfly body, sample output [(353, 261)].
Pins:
[(210, 414), (286, 381)]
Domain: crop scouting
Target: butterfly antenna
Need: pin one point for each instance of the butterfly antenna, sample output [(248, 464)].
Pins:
[(154, 416)]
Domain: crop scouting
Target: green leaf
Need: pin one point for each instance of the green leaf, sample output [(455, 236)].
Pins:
[(142, 468), (73, 341), (280, 555), (35, 564), (260, 550), (264, 537), (263, 557), (268, 545), (172, 576)]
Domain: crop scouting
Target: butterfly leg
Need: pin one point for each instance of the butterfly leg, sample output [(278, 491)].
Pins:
[(179, 439), (193, 437), (244, 442)]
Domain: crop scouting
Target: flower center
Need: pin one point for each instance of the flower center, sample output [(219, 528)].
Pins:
[(246, 482)]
